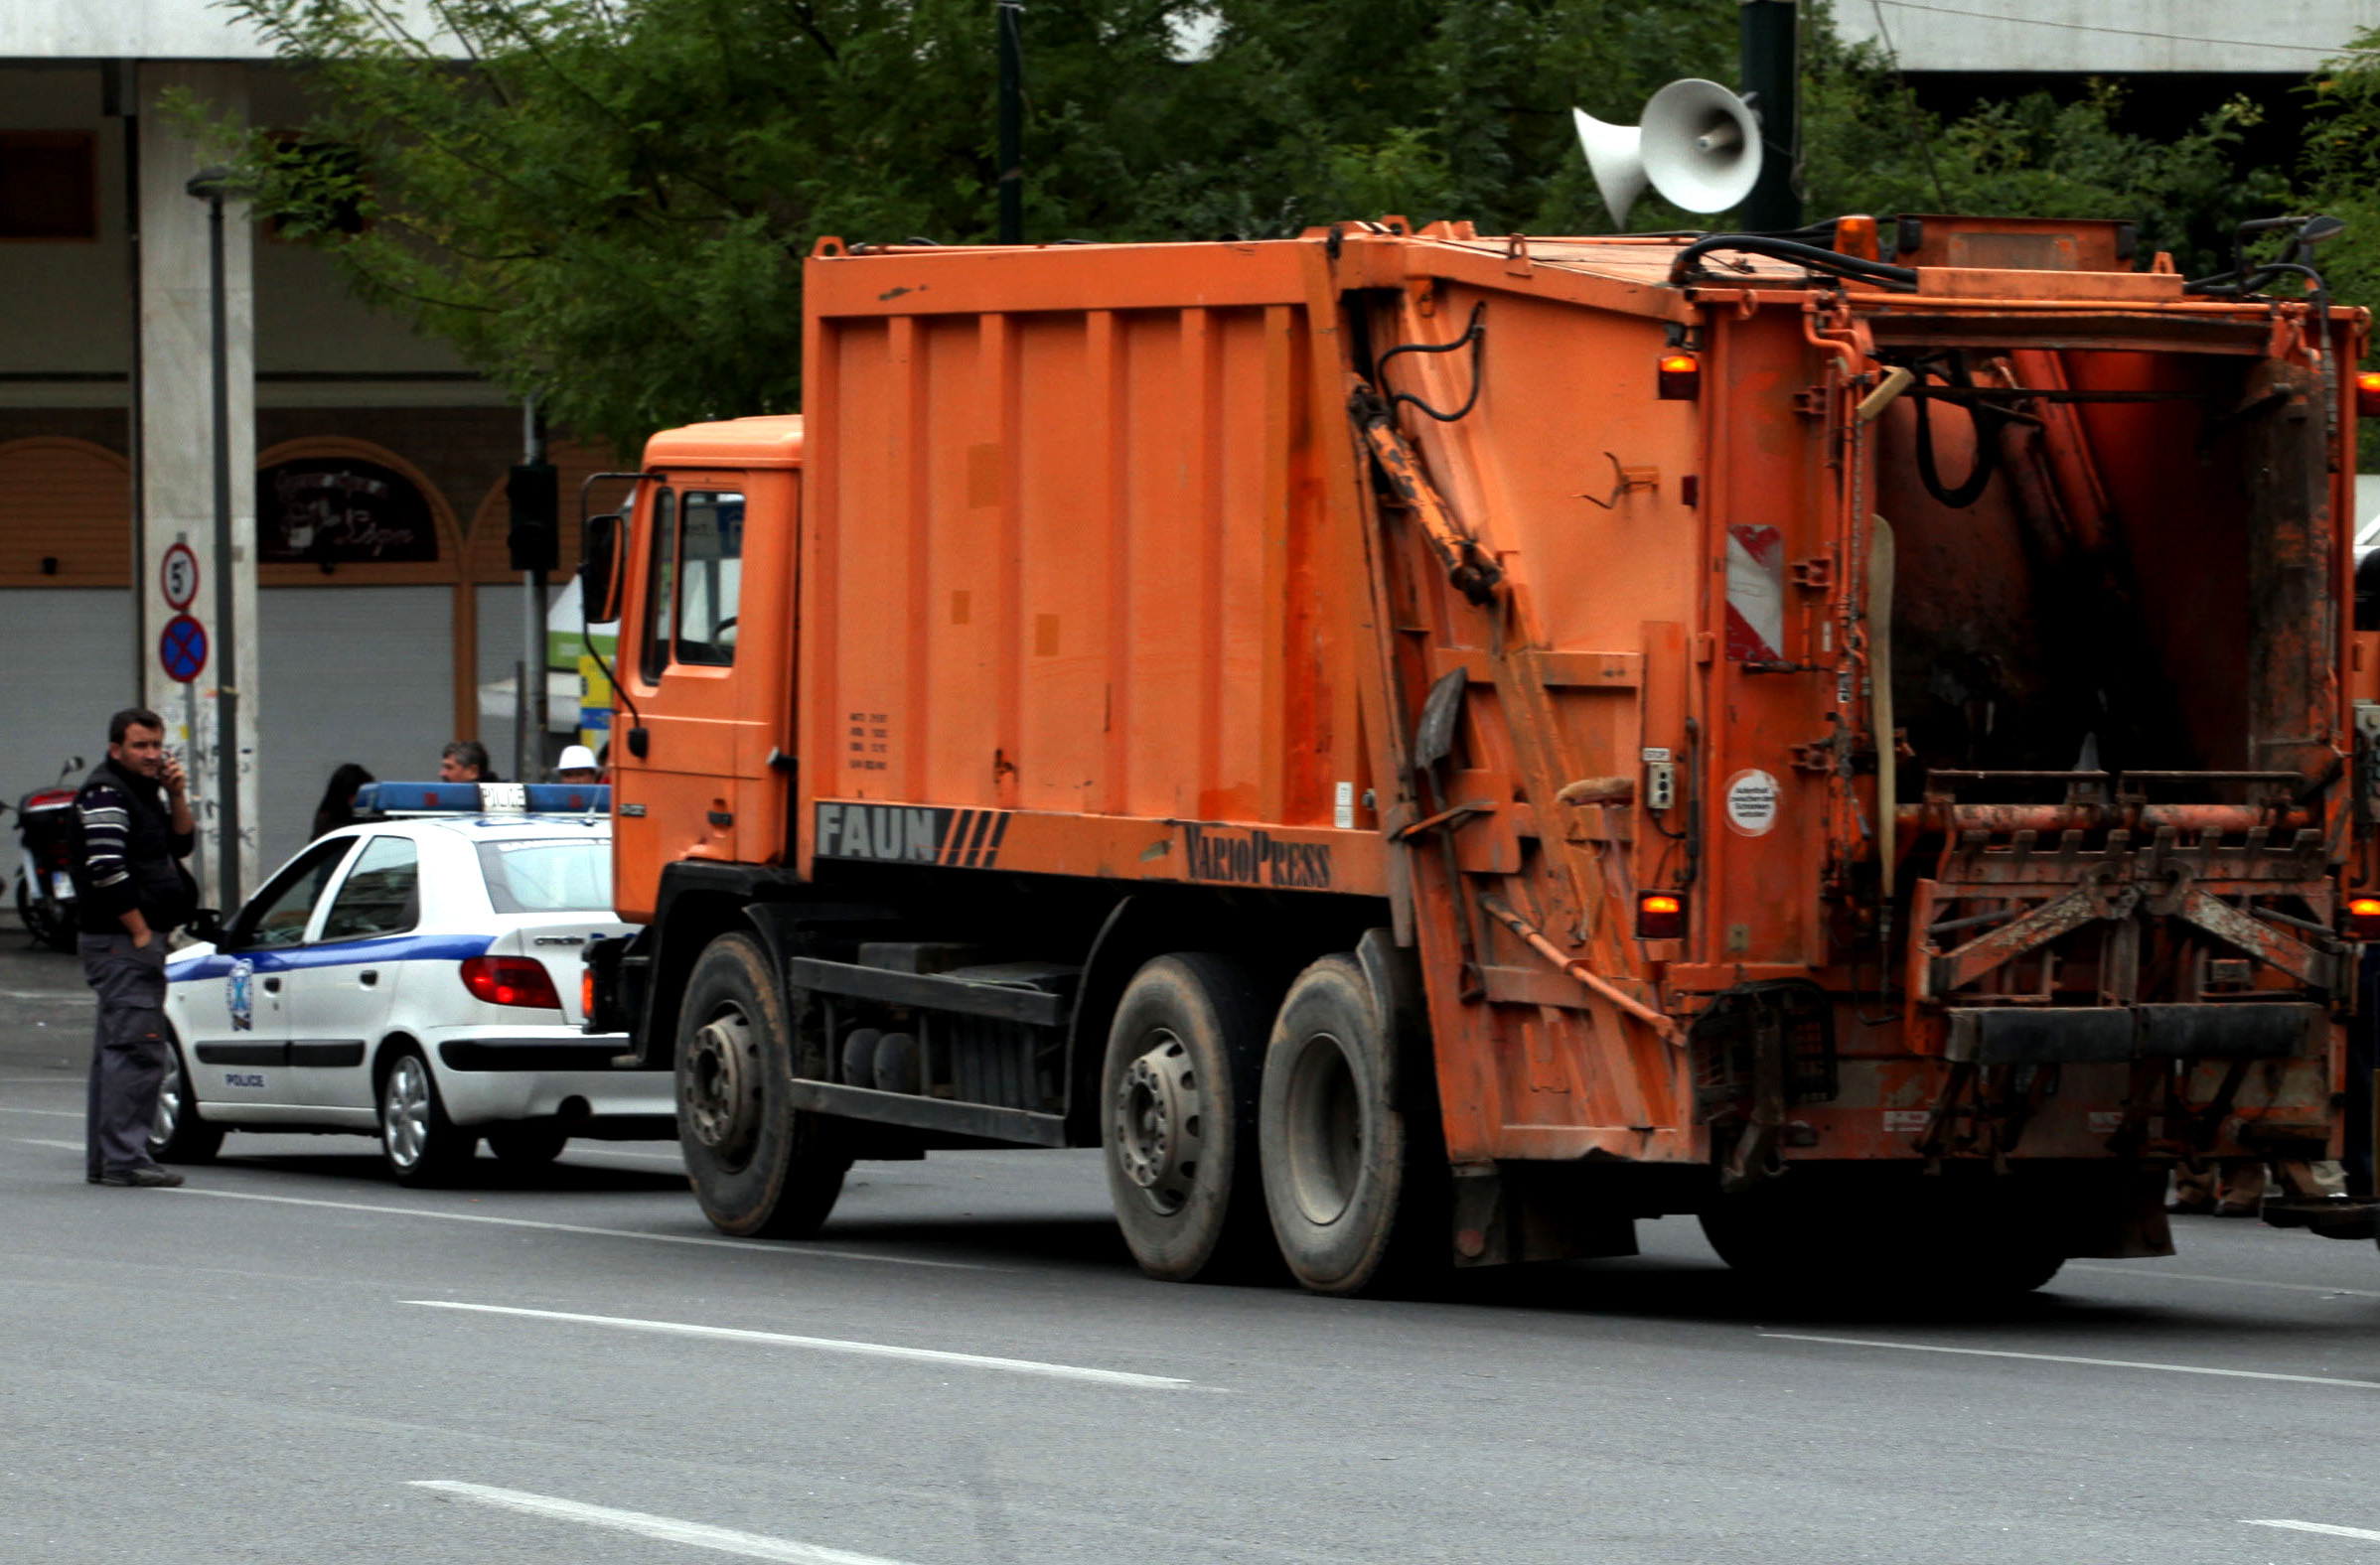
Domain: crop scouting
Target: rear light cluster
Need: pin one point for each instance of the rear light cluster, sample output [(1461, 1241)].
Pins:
[(1681, 377), (1660, 916), (2363, 918), (510, 980), (2368, 393)]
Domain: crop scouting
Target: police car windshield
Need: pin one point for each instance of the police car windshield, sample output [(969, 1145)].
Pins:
[(548, 875)]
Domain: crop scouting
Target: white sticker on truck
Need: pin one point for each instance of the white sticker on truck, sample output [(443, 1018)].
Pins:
[(1753, 800)]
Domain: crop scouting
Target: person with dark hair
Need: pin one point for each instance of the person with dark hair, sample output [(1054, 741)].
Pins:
[(465, 760), (338, 806), (132, 816)]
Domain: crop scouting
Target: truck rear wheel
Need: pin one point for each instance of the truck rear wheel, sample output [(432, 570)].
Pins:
[(760, 1167), (1337, 1161), (1177, 1117)]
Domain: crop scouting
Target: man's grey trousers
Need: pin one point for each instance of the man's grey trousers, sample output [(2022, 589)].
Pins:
[(128, 1050)]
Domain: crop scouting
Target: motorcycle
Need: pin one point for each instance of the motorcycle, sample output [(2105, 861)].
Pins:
[(44, 879)]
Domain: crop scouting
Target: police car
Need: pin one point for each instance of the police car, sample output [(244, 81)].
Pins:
[(415, 978)]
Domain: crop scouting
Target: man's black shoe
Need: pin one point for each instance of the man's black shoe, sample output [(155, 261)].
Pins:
[(150, 1178)]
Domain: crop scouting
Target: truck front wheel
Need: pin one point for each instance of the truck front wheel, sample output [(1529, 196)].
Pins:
[(760, 1167), (1338, 1167), (1177, 1117)]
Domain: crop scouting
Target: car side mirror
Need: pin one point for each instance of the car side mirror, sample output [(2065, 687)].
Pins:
[(205, 925), (599, 569)]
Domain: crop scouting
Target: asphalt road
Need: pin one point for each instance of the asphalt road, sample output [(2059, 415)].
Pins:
[(294, 1361)]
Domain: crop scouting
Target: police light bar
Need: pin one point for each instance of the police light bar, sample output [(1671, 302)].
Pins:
[(482, 798)]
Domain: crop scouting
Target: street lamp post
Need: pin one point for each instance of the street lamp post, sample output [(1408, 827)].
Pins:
[(208, 185), (1010, 14)]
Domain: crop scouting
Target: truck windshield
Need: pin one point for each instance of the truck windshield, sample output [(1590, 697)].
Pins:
[(541, 875)]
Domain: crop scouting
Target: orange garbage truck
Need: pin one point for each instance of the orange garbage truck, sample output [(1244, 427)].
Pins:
[(1427, 747)]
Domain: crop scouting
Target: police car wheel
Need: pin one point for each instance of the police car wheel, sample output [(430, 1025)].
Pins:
[(420, 1145), (528, 1146), (179, 1135), (760, 1167)]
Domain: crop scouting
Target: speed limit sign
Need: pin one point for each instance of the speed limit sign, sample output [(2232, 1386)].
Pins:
[(178, 576)]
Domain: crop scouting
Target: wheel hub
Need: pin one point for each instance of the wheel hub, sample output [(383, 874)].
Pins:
[(1160, 1124), (719, 1085), (405, 1112), (169, 1101)]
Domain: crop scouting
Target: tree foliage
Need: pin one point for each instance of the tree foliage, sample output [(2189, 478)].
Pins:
[(607, 205)]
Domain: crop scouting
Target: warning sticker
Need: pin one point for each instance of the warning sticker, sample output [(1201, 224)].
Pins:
[(1755, 593), (1905, 1119), (1752, 802)]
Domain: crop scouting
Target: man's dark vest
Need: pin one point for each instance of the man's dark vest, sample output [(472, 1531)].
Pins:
[(168, 895)]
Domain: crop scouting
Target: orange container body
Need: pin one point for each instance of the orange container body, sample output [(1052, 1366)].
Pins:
[(1077, 565)]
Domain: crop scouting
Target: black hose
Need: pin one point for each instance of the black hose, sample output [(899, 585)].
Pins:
[(1474, 338), (1881, 273), (1986, 447)]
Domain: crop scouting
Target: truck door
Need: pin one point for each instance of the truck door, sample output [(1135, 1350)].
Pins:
[(674, 793)]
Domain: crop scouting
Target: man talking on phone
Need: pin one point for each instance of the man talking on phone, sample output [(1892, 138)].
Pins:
[(130, 892)]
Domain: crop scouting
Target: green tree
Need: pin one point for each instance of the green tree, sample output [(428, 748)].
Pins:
[(609, 204)]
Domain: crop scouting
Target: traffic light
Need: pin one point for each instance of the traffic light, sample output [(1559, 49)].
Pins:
[(535, 493)]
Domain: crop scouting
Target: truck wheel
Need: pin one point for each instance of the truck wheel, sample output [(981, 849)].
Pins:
[(1337, 1162), (760, 1167), (1178, 1117)]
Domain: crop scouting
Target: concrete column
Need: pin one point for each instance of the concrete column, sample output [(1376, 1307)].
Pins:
[(176, 453)]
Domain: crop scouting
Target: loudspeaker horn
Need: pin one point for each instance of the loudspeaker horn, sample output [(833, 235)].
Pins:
[(1699, 145), (1613, 155)]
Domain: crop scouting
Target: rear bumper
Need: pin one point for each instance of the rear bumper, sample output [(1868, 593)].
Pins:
[(486, 1076), (2007, 1035)]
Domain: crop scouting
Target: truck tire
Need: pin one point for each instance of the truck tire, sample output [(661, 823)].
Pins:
[(1178, 1118), (759, 1167), (1338, 1165)]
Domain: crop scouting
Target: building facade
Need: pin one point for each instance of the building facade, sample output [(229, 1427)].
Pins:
[(370, 601)]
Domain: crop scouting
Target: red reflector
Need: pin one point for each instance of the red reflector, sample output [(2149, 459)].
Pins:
[(587, 992), (2363, 918), (2368, 393), (510, 980), (1681, 377), (1660, 916)]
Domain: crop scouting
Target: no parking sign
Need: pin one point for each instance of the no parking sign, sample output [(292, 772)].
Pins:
[(181, 650)]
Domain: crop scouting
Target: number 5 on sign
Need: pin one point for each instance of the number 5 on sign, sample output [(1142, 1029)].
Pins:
[(177, 576)]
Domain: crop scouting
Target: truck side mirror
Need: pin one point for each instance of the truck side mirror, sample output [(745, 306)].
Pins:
[(599, 569)]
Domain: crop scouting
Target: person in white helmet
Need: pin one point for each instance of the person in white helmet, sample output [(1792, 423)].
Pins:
[(577, 764)]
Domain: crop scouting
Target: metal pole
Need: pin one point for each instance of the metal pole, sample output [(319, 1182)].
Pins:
[(1010, 15), (1772, 80), (227, 694), (126, 80), (529, 724)]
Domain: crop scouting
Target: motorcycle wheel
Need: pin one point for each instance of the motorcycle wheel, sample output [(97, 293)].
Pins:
[(50, 922)]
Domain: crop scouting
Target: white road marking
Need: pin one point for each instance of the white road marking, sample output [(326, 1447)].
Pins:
[(2069, 1359), (47, 1113), (59, 995), (70, 1146), (669, 1529), (2237, 1282), (2365, 1533), (576, 1227), (828, 1344)]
